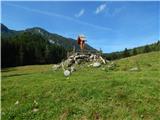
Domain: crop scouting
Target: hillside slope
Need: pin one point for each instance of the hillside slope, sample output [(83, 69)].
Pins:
[(67, 43), (38, 92), (134, 51)]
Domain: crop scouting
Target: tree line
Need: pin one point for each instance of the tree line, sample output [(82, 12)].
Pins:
[(28, 49), (132, 52)]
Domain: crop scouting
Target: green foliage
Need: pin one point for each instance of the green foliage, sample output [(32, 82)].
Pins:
[(146, 49), (29, 48), (126, 53), (134, 51)]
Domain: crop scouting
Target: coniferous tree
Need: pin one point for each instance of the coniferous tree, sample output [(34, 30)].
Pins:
[(146, 49), (126, 53), (134, 51)]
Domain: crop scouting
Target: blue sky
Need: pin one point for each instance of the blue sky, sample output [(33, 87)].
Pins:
[(111, 26)]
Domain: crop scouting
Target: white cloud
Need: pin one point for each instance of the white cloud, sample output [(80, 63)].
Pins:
[(80, 13), (100, 8), (63, 17)]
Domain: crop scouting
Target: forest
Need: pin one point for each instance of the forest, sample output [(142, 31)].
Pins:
[(28, 49)]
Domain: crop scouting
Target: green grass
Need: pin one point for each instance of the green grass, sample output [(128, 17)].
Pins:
[(88, 94)]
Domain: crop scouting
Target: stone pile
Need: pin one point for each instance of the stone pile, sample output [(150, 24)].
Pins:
[(69, 64)]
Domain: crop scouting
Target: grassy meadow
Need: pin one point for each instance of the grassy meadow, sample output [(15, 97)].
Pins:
[(37, 92)]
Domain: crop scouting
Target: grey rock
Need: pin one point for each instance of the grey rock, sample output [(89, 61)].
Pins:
[(35, 110), (71, 57), (67, 73), (78, 61), (72, 69), (80, 57), (134, 69), (96, 64), (69, 62), (55, 67), (93, 57)]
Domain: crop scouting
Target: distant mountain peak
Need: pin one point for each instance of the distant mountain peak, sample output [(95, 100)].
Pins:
[(4, 28), (36, 29), (53, 38)]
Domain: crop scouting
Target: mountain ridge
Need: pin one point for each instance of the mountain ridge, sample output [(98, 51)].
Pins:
[(54, 38)]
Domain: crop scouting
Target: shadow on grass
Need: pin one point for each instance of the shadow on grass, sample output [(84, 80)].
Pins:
[(7, 69), (13, 75)]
